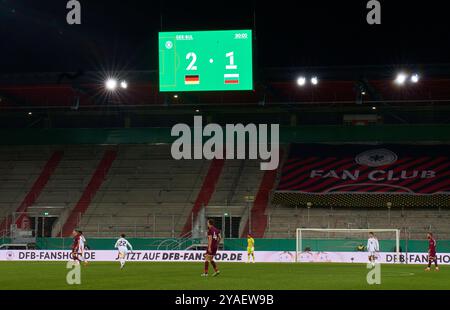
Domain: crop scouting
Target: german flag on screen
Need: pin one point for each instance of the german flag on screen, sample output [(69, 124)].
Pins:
[(192, 80), (231, 78)]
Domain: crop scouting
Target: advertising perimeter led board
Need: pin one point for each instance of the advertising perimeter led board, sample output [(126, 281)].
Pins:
[(205, 61)]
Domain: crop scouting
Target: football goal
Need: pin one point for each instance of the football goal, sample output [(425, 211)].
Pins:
[(344, 240)]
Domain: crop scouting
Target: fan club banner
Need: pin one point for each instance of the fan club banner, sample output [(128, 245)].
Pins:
[(226, 256), (403, 169)]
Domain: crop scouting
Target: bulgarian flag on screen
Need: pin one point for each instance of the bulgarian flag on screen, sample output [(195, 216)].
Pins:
[(192, 80), (231, 78)]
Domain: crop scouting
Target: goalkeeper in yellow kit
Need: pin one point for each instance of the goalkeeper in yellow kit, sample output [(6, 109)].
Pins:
[(250, 248)]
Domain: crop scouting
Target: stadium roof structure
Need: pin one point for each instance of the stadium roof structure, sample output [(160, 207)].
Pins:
[(273, 86)]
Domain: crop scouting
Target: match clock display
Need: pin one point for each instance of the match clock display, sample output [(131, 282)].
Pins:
[(205, 61)]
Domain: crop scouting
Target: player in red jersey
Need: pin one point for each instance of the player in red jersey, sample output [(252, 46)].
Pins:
[(432, 257), (214, 238), (76, 246)]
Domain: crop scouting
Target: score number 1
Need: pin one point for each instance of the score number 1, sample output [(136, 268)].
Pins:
[(231, 66), (193, 59)]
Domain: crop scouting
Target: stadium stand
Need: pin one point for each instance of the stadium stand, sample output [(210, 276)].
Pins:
[(110, 171), (89, 192), (205, 193), (24, 173), (283, 221), (256, 225), (146, 193), (240, 179)]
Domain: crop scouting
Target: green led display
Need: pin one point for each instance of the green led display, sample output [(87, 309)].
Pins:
[(205, 61)]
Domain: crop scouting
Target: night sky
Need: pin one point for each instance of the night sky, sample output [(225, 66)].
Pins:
[(123, 34)]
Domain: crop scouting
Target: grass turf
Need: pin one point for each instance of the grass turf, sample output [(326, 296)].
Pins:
[(186, 276)]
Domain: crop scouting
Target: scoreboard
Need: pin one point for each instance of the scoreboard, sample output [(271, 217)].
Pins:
[(205, 61)]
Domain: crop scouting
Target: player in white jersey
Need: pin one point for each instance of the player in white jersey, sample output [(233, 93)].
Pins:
[(122, 246), (81, 247), (372, 247)]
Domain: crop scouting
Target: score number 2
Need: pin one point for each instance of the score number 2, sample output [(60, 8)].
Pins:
[(192, 66), (193, 59)]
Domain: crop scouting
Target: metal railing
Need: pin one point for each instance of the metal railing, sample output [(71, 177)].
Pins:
[(285, 226), (57, 229), (3, 236), (151, 225), (176, 244)]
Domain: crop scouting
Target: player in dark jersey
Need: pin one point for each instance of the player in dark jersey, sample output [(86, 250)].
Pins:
[(213, 245), (432, 257), (75, 246)]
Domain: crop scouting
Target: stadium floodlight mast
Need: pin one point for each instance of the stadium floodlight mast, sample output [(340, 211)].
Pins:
[(301, 81), (415, 78), (124, 84), (401, 78), (300, 231), (111, 84)]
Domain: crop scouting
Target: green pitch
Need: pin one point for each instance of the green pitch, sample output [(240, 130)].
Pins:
[(186, 276)]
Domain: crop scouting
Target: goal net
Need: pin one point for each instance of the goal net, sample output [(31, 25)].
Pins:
[(344, 240)]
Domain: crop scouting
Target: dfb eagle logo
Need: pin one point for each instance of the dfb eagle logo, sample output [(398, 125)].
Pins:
[(377, 158), (10, 255)]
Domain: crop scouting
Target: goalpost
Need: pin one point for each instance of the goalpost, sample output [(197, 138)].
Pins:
[(343, 237)]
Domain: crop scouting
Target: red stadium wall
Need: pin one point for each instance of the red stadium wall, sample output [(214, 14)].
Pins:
[(258, 212), (35, 190), (90, 191), (206, 192)]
